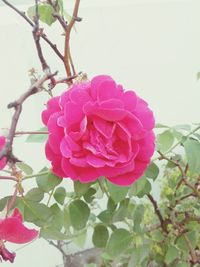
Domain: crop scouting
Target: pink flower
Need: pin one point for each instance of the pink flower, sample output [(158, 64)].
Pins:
[(2, 144), (13, 230), (98, 129)]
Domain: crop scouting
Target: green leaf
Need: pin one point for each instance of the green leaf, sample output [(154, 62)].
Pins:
[(35, 194), (111, 205), (137, 217), (121, 212), (60, 195), (140, 188), (105, 216), (185, 127), (164, 141), (192, 150), (138, 256), (58, 217), (80, 238), (37, 213), (47, 182), (24, 167), (80, 188), (160, 125), (89, 195), (67, 222), (45, 13), (183, 264), (100, 236), (119, 241), (171, 255), (198, 76), (117, 193), (79, 214), (52, 234), (37, 138), (152, 171), (3, 202)]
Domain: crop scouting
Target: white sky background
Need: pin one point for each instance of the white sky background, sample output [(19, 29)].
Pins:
[(150, 46)]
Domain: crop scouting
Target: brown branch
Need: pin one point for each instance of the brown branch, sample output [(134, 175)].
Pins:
[(17, 105), (43, 36), (192, 251), (12, 178), (67, 38), (184, 197), (158, 213), (36, 36), (182, 171)]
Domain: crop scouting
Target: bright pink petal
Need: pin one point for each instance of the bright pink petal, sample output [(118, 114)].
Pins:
[(52, 107), (96, 83), (79, 94), (130, 100), (144, 114), (13, 230)]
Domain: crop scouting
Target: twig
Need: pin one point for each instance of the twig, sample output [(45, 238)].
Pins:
[(192, 251), (17, 105), (182, 171), (36, 36), (67, 38), (12, 178), (157, 211), (43, 36)]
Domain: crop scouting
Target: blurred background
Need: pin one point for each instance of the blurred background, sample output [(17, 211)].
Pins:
[(150, 46)]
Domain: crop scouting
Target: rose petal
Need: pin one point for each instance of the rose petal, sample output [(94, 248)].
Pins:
[(12, 230)]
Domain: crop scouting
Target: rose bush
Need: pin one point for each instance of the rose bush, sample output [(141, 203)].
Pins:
[(98, 129), (13, 230), (2, 144)]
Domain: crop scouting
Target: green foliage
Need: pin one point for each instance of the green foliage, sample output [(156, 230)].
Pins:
[(45, 12), (117, 193), (164, 141), (35, 194), (60, 195), (79, 213), (48, 181), (119, 241), (192, 150), (134, 226), (100, 236)]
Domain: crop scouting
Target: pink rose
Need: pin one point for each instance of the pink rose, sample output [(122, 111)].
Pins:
[(13, 230), (98, 129), (2, 144)]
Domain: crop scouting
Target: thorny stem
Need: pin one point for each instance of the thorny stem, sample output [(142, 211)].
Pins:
[(192, 252), (157, 211), (67, 38), (43, 36), (183, 174), (17, 105)]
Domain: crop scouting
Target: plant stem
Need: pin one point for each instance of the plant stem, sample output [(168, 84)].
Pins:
[(35, 175)]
